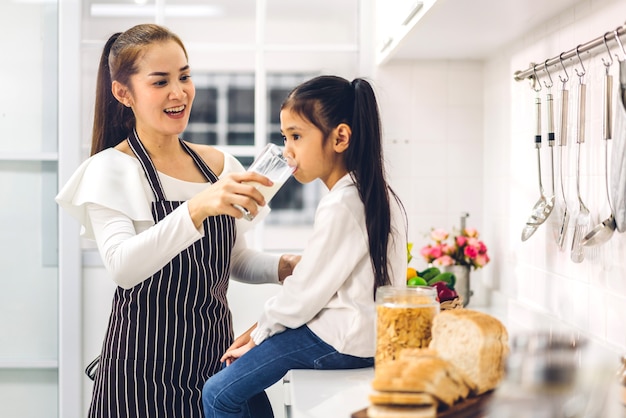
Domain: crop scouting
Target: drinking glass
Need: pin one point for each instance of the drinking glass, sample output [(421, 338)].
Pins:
[(272, 164)]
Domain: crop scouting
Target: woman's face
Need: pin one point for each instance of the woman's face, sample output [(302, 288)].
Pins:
[(162, 90)]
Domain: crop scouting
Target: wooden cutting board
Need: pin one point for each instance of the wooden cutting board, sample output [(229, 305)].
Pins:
[(475, 407)]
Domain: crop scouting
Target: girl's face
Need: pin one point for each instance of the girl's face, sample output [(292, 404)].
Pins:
[(162, 92), (315, 158)]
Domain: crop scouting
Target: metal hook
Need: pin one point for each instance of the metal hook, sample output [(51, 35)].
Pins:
[(545, 67), (615, 32), (536, 80), (580, 75), (564, 70), (607, 65)]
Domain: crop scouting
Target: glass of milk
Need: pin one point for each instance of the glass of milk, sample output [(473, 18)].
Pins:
[(273, 165)]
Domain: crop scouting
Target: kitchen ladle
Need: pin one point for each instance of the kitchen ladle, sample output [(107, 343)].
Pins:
[(602, 232), (583, 218)]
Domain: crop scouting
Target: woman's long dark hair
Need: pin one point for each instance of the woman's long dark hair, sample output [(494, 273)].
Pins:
[(327, 101), (112, 120)]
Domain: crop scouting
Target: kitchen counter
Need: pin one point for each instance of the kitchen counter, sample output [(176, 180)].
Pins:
[(333, 393), (326, 393), (340, 393)]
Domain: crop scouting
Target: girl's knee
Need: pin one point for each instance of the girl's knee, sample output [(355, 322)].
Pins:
[(208, 397)]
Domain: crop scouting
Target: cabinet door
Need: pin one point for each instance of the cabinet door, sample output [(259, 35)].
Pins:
[(28, 184)]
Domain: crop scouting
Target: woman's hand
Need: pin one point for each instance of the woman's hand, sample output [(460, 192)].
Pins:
[(286, 264), (232, 189)]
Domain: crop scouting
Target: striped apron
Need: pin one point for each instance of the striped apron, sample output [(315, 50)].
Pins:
[(166, 335)]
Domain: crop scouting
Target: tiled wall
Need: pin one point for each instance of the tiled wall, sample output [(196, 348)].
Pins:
[(460, 137)]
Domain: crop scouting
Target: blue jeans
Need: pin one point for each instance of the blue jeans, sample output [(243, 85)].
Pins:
[(236, 390)]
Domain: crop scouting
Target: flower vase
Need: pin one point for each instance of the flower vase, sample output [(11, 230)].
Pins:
[(462, 286)]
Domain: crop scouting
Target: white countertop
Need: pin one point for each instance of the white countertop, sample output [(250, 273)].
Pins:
[(327, 393)]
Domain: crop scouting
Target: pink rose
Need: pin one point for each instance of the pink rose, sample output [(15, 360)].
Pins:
[(470, 252), (439, 235), (447, 249), (481, 260), (460, 240), (425, 252), (436, 251), (471, 232), (444, 260), (473, 242)]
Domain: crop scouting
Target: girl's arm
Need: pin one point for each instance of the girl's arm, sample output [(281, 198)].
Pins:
[(332, 256)]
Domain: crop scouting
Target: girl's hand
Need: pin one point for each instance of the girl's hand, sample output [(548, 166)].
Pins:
[(232, 189), (243, 338), (233, 354), (240, 341)]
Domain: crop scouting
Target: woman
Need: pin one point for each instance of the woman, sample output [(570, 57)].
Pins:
[(161, 212)]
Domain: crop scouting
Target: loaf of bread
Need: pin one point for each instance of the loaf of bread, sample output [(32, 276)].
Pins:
[(421, 371), (475, 343), (401, 398)]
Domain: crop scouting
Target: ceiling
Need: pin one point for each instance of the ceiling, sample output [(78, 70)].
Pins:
[(445, 29), (472, 29)]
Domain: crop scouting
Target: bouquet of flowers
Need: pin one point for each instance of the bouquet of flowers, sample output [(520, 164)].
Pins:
[(463, 249)]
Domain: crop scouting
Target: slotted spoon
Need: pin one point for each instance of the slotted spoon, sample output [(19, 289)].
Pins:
[(543, 206)]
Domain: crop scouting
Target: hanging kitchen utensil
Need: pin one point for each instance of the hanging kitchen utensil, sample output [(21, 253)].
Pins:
[(550, 114), (618, 156), (583, 218), (564, 214), (602, 232), (542, 208)]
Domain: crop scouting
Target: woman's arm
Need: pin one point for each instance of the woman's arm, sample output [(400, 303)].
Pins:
[(130, 257)]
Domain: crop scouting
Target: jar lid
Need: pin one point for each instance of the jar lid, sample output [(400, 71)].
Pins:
[(409, 295)]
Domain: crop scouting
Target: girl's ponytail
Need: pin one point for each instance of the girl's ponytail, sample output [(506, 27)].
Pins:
[(364, 159)]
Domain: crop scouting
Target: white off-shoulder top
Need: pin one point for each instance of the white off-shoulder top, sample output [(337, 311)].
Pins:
[(110, 196)]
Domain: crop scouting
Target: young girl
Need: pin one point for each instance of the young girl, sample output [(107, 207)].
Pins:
[(324, 315)]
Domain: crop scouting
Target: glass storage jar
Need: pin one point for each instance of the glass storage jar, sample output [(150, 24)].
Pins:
[(404, 319)]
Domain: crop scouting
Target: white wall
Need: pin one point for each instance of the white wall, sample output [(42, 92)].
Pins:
[(433, 127), (461, 138)]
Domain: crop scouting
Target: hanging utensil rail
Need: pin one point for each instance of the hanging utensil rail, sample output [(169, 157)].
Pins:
[(597, 42)]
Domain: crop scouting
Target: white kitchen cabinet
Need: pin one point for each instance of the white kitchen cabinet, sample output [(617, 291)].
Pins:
[(456, 29)]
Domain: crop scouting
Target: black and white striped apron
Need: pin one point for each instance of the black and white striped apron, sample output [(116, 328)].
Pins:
[(166, 334)]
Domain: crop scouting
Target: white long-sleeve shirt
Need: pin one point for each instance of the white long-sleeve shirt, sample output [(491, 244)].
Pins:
[(111, 197), (331, 289)]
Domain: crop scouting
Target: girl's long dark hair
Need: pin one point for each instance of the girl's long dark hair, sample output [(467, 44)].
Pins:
[(327, 101), (112, 120)]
